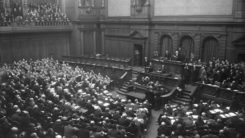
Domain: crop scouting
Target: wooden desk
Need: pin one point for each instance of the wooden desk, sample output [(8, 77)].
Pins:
[(137, 95), (167, 79), (174, 67), (99, 60), (114, 72)]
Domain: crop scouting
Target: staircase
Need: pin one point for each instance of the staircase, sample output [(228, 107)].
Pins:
[(124, 87), (186, 96)]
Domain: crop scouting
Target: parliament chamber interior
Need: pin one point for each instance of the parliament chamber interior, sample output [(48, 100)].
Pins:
[(122, 69)]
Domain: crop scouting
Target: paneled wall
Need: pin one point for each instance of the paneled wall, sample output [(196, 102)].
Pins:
[(89, 43), (33, 45), (118, 47)]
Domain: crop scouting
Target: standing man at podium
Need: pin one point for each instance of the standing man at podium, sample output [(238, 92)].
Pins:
[(146, 64), (167, 55)]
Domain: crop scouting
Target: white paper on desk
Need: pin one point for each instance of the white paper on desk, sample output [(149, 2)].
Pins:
[(96, 107), (123, 100), (218, 110), (212, 111), (76, 107), (232, 114), (170, 117), (195, 105), (195, 116), (172, 106), (106, 104), (100, 102), (172, 121), (222, 116), (188, 113), (227, 115)]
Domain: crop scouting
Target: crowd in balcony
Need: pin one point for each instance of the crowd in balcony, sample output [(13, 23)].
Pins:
[(42, 13), (48, 99)]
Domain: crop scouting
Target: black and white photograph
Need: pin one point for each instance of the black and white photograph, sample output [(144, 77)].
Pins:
[(122, 68)]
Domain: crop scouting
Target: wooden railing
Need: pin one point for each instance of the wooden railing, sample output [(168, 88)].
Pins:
[(169, 95), (218, 94), (99, 60), (167, 79), (118, 74)]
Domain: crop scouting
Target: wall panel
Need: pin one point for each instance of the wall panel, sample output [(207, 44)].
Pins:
[(89, 44), (35, 46), (116, 47)]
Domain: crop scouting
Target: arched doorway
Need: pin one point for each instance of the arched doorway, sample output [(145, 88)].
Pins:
[(138, 55), (166, 45), (187, 46), (210, 48)]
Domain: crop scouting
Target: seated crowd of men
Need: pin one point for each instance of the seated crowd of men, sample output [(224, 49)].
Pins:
[(224, 74), (47, 99), (41, 13), (201, 120)]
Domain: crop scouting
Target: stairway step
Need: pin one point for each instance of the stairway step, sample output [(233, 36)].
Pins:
[(124, 87), (123, 90), (182, 99), (179, 102), (185, 93), (186, 96), (127, 83)]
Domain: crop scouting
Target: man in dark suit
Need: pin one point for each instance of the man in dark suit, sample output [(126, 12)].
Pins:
[(164, 129), (146, 62), (83, 133), (150, 67), (167, 55)]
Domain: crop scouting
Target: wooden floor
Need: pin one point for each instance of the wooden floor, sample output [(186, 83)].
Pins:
[(153, 125)]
